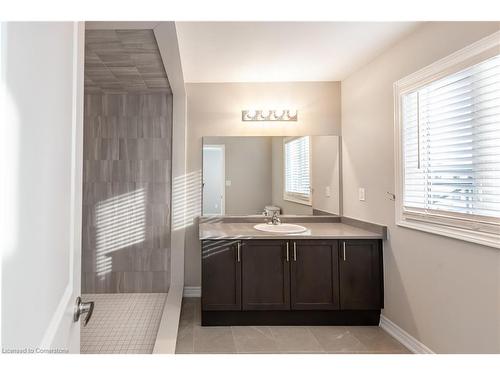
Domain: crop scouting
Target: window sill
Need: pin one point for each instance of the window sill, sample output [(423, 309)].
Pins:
[(298, 201), (480, 238)]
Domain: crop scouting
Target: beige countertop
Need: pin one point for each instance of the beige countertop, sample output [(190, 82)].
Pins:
[(231, 231)]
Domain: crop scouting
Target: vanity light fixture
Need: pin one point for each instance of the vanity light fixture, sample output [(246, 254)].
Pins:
[(269, 115)]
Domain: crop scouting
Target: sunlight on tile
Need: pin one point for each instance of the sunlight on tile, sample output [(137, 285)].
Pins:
[(186, 199), (120, 222)]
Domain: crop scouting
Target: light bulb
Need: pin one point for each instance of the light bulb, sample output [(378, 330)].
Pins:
[(278, 114), (251, 114)]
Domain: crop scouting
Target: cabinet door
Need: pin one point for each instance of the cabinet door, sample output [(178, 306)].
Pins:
[(221, 275), (266, 275), (360, 268), (314, 275)]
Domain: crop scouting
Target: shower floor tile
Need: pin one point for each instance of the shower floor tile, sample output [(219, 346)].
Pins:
[(122, 323)]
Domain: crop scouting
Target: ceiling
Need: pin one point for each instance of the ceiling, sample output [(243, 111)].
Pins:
[(282, 51), (122, 61)]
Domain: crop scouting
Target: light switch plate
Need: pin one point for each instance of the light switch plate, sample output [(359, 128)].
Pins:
[(361, 194), (228, 182)]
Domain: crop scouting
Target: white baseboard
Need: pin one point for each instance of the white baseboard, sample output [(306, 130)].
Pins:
[(410, 342), (192, 291)]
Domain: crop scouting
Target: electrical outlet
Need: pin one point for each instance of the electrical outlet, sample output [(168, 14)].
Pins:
[(228, 182), (327, 191), (361, 194)]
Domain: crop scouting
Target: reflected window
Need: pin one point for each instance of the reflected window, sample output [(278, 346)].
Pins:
[(297, 171)]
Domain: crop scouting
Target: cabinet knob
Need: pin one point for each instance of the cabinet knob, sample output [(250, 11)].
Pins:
[(287, 251), (238, 252)]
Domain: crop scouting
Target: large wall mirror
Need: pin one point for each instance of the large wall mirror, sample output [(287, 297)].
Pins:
[(294, 175)]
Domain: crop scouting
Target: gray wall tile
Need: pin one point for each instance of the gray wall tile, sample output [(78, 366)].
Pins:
[(127, 150)]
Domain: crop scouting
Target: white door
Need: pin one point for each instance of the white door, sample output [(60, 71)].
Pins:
[(41, 161), (214, 175)]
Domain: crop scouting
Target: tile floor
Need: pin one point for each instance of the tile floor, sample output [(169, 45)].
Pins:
[(122, 323), (193, 338)]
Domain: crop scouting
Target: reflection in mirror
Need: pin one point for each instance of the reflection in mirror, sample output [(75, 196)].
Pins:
[(253, 175)]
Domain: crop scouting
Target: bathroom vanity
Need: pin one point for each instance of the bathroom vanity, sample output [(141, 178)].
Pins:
[(313, 267), (330, 274)]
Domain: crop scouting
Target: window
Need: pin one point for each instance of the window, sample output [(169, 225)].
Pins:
[(297, 174), (449, 146)]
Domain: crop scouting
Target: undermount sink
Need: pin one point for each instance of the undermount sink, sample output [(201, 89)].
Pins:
[(281, 228)]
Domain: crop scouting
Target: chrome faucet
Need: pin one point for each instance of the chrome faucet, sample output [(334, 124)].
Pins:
[(275, 220)]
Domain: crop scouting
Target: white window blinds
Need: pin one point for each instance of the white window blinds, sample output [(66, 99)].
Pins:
[(297, 174), (451, 144)]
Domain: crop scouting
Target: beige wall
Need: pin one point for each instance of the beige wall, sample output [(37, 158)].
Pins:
[(444, 292), (214, 109)]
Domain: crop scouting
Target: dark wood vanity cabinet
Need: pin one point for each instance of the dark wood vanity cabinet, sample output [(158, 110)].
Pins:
[(221, 275), (360, 274), (314, 281)]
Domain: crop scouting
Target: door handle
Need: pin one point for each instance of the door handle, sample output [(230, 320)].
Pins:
[(83, 308), (343, 250), (238, 252), (294, 251), (287, 251)]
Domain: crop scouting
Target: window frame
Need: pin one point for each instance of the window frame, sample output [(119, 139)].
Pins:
[(294, 197), (465, 227)]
